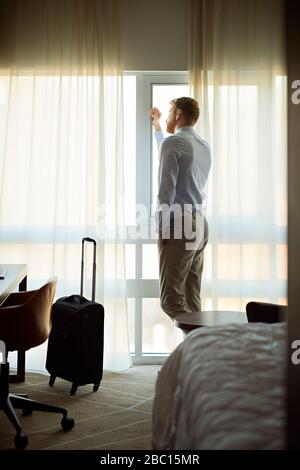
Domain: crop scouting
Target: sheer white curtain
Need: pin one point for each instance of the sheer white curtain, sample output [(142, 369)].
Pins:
[(61, 153), (237, 72)]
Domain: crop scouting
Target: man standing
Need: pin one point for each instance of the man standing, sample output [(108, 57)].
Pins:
[(184, 164)]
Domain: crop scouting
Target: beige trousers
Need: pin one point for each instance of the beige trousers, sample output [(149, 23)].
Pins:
[(180, 272)]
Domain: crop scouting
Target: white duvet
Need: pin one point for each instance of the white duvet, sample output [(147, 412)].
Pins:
[(223, 388)]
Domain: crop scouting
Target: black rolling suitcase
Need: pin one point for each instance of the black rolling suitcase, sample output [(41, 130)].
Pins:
[(75, 345)]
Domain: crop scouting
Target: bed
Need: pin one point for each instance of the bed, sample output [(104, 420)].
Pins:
[(223, 388)]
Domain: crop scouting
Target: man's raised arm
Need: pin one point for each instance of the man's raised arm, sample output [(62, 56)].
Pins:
[(159, 135)]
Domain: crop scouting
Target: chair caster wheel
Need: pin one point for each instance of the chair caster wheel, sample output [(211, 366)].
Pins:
[(52, 380), (27, 411), (21, 441), (73, 389), (67, 423), (95, 387)]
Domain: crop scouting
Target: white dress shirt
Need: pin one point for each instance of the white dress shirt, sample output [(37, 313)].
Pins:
[(184, 165)]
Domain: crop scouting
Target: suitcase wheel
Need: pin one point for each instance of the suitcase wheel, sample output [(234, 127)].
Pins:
[(21, 441), (67, 423), (52, 380), (95, 387), (73, 389)]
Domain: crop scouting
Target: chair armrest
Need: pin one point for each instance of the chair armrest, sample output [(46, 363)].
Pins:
[(265, 312)]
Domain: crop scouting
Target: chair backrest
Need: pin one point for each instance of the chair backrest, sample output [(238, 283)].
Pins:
[(37, 318), (26, 325), (265, 312)]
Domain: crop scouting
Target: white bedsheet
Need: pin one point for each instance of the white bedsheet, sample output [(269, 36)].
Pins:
[(223, 388)]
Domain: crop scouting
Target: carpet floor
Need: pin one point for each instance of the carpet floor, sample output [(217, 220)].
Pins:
[(116, 417)]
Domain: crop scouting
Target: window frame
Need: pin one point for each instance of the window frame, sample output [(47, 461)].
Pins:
[(140, 288)]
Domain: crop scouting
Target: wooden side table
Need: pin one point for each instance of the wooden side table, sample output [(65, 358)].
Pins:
[(188, 323)]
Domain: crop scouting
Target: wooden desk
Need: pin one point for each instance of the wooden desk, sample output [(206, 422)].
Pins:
[(16, 275), (210, 318)]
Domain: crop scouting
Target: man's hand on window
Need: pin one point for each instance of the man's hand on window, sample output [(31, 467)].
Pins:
[(155, 112), (156, 115)]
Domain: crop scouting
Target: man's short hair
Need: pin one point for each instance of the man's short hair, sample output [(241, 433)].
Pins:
[(188, 106)]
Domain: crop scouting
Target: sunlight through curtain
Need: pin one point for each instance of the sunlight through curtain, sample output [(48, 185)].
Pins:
[(237, 72), (61, 153)]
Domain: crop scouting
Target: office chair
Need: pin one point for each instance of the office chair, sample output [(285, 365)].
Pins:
[(24, 324), (265, 312)]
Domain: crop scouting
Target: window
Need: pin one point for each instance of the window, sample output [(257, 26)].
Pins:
[(154, 335), (240, 265)]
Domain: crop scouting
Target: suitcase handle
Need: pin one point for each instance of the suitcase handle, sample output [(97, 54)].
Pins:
[(88, 240)]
